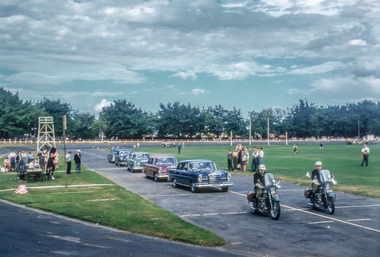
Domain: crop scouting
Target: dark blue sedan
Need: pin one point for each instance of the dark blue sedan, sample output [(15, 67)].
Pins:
[(197, 174)]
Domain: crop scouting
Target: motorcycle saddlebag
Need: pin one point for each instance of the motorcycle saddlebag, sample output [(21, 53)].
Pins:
[(250, 196), (307, 192)]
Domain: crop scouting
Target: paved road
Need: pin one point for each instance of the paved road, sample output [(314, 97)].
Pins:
[(354, 230)]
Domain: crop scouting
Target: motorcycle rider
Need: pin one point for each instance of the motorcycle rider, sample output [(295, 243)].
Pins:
[(259, 177), (315, 175)]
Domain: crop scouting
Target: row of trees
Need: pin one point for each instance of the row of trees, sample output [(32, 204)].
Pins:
[(123, 120)]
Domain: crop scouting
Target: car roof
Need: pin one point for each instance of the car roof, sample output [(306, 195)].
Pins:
[(126, 150), (195, 160), (142, 152), (162, 156)]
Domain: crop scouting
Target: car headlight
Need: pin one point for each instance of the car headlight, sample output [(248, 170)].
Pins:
[(159, 170), (121, 158), (228, 177), (200, 178)]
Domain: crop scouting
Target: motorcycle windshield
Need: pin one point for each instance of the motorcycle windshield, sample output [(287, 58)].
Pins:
[(269, 179), (324, 175)]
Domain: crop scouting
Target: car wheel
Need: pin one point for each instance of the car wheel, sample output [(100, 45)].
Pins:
[(193, 188), (155, 177), (175, 183), (132, 168), (145, 175)]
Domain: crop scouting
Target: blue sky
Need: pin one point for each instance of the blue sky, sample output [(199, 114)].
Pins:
[(245, 54)]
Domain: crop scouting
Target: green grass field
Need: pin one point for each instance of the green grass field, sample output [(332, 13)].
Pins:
[(342, 160)]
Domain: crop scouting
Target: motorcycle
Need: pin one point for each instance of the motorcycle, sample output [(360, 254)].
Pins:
[(325, 198), (269, 202)]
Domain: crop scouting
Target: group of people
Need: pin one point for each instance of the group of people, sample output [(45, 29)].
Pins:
[(46, 160), (239, 159)]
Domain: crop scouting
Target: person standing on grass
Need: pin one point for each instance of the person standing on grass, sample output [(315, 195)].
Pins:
[(179, 147), (78, 160), (253, 163), (68, 160), (365, 155), (229, 161), (23, 157), (260, 156), (30, 157), (244, 160), (41, 159), (321, 145), (12, 157), (235, 156), (295, 151), (50, 166)]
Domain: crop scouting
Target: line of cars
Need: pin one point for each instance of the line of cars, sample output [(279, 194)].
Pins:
[(196, 174)]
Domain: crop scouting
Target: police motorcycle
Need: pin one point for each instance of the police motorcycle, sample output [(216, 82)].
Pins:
[(325, 198), (269, 202)]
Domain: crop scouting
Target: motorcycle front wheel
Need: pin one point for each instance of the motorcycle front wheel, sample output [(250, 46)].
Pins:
[(276, 211), (331, 206)]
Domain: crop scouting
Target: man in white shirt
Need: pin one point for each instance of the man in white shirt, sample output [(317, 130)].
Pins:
[(365, 155), (12, 158)]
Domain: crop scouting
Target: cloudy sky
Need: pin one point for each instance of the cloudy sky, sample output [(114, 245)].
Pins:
[(245, 54)]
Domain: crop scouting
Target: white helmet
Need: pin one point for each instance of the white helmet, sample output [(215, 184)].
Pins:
[(318, 163), (262, 167)]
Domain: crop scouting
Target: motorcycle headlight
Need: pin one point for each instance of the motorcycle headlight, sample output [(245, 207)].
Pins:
[(228, 177), (272, 191), (159, 170), (200, 178), (328, 188)]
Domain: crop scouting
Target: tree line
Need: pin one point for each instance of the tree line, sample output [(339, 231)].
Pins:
[(123, 119)]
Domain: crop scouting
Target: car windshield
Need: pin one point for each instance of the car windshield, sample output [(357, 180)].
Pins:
[(141, 156), (202, 166), (166, 161), (270, 180), (124, 153), (324, 175)]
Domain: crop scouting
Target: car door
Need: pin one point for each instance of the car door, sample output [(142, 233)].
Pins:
[(182, 174), (148, 167)]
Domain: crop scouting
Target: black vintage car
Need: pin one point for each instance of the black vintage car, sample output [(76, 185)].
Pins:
[(122, 156), (111, 155), (197, 174)]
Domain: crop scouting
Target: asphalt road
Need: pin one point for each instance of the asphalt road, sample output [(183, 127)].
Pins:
[(354, 229)]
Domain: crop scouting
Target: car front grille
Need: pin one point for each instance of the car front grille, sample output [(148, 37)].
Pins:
[(214, 178)]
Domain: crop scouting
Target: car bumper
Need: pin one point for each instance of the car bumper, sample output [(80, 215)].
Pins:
[(222, 184), (162, 175)]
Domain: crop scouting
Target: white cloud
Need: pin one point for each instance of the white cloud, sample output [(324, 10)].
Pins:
[(104, 103), (317, 69), (197, 91), (357, 42), (185, 74)]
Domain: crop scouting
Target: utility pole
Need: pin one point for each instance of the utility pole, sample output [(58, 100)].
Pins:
[(358, 129), (268, 131), (250, 129), (64, 146)]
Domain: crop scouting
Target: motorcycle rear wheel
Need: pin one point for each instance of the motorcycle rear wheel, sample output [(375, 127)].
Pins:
[(331, 206), (276, 211)]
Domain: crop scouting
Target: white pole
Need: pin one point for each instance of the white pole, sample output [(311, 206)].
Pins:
[(250, 129), (286, 136), (231, 137), (268, 131)]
